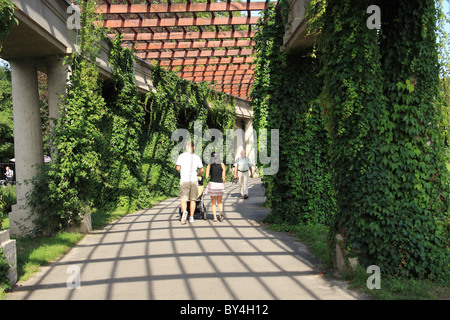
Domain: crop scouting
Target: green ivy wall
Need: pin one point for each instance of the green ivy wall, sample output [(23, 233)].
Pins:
[(361, 132)]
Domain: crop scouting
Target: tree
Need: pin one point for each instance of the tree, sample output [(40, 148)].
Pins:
[(6, 116)]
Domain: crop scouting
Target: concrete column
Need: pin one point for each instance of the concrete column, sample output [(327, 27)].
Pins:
[(250, 140), (57, 75), (239, 138), (28, 145)]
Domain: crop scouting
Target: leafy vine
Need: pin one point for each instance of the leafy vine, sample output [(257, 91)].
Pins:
[(7, 20), (382, 109), (301, 191)]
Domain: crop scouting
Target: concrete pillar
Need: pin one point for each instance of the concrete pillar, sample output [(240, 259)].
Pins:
[(57, 75), (250, 140), (239, 137), (28, 145)]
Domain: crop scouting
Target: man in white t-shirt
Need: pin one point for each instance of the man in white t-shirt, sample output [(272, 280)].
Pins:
[(241, 167), (188, 163)]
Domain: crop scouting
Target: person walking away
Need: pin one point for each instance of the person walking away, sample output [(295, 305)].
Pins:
[(9, 176), (241, 168), (216, 185), (187, 164)]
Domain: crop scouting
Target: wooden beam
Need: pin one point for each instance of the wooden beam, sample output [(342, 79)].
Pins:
[(223, 67), (195, 54), (215, 73), (222, 79), (234, 85), (192, 45), (181, 7), (185, 35), (178, 22), (204, 61)]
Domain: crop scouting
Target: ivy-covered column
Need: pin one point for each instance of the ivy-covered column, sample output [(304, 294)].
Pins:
[(413, 141), (383, 105), (354, 105), (285, 95)]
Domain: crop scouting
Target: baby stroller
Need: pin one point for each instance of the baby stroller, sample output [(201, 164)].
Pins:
[(200, 208)]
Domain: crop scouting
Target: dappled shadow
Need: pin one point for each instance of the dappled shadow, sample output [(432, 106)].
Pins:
[(150, 255)]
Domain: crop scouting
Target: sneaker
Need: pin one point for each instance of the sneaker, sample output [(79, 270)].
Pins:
[(183, 217), (191, 219)]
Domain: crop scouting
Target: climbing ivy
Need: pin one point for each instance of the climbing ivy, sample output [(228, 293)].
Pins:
[(4, 272), (353, 101), (414, 146), (7, 19), (379, 91), (383, 108), (66, 188), (176, 104), (112, 149), (301, 191), (122, 126)]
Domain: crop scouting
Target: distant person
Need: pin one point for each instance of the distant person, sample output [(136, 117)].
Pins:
[(187, 164), (242, 166), (216, 185), (9, 176)]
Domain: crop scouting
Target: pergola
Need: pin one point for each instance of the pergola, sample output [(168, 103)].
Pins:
[(208, 41)]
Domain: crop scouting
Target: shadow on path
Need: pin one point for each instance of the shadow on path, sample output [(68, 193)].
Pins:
[(150, 255)]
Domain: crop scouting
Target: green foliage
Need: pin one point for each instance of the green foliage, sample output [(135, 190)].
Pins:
[(8, 194), (177, 104), (353, 101), (6, 116), (4, 272), (111, 150), (67, 187), (384, 147), (384, 116), (2, 211), (415, 154), (301, 191), (7, 19), (4, 266), (122, 126)]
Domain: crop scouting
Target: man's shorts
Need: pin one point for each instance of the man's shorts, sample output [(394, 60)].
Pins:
[(189, 190)]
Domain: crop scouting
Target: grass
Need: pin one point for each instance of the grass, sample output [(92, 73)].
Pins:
[(100, 218), (32, 254), (315, 237), (401, 288)]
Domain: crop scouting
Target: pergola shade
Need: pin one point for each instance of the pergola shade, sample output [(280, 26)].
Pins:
[(207, 40)]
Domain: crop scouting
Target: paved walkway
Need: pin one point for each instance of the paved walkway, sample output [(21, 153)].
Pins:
[(150, 255)]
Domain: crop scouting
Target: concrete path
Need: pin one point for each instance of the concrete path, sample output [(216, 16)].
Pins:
[(150, 255)]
